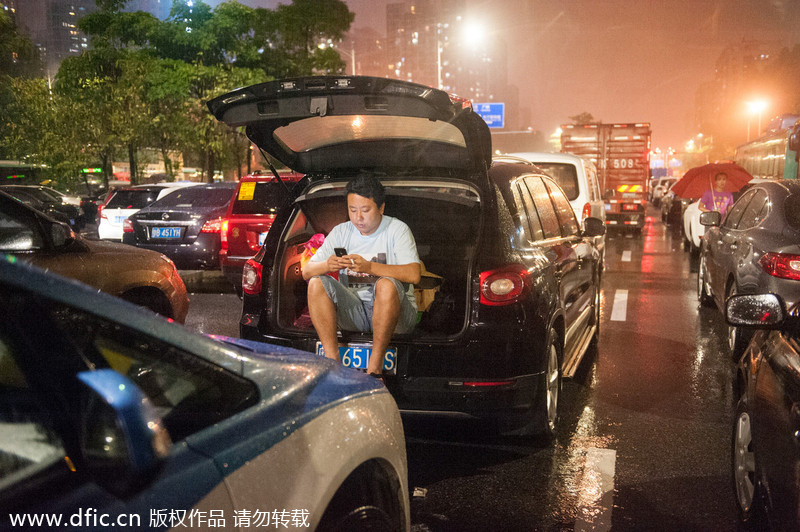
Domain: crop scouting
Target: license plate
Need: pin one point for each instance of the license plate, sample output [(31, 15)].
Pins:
[(119, 219), (165, 232), (357, 356), (608, 206), (261, 238)]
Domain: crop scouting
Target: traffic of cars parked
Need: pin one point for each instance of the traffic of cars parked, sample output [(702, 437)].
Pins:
[(514, 245)]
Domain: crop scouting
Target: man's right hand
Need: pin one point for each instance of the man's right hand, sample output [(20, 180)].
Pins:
[(337, 263)]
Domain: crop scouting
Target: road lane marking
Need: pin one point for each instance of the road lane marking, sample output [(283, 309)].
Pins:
[(626, 255), (619, 306), (596, 494)]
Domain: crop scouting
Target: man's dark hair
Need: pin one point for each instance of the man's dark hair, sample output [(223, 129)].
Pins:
[(368, 186)]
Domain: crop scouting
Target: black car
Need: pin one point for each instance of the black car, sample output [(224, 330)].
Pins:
[(46, 202), (514, 295), (755, 250), (183, 225), (766, 448)]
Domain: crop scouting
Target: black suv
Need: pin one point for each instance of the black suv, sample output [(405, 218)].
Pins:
[(511, 303)]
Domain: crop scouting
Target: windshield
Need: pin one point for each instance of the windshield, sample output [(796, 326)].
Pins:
[(132, 199)]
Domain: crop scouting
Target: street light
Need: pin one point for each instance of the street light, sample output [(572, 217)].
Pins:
[(756, 107)]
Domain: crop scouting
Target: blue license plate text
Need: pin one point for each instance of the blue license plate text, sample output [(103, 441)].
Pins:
[(357, 356), (165, 232)]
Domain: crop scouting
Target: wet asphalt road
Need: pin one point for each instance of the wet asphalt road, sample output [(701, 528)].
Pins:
[(644, 442)]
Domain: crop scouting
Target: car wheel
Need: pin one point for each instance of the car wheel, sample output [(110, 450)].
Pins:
[(365, 501), (546, 414), (703, 291), (149, 298), (743, 461), (738, 338)]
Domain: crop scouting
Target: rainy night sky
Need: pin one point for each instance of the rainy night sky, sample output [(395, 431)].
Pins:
[(620, 60)]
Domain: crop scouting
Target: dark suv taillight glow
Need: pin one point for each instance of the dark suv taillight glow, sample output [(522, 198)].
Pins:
[(503, 286), (781, 265), (251, 277)]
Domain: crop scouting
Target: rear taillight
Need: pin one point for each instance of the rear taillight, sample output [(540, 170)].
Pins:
[(587, 211), (223, 236), (127, 226), (212, 226), (251, 277), (781, 265), (100, 212), (503, 286)]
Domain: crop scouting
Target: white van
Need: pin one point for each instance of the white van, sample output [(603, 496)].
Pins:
[(576, 175)]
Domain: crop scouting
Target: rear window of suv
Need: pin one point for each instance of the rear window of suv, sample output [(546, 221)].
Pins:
[(256, 197), (132, 199), (565, 175)]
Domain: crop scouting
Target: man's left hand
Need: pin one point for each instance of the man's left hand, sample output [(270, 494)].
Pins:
[(358, 264)]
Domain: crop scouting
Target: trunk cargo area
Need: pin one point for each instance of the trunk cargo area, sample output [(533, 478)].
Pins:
[(445, 222)]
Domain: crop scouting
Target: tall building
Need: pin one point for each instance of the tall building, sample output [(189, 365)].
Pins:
[(53, 27), (433, 43), (9, 7), (739, 77)]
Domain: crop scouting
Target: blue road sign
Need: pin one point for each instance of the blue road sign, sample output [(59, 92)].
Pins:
[(494, 114)]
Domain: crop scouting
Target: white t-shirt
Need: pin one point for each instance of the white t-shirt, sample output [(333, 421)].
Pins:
[(392, 243)]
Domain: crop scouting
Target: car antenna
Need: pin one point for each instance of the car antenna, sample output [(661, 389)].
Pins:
[(274, 172)]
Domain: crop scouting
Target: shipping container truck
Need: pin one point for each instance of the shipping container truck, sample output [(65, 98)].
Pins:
[(622, 155)]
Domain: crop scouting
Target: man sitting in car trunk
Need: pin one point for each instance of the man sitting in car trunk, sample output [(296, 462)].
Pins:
[(372, 294)]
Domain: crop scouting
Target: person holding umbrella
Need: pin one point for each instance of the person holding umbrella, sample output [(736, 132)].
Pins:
[(717, 198)]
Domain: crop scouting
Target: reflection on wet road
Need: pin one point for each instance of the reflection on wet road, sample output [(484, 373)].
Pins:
[(645, 434)]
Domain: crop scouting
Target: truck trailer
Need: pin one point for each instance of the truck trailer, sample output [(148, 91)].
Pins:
[(621, 153)]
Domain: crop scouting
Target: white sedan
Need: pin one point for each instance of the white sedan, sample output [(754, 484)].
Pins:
[(693, 231)]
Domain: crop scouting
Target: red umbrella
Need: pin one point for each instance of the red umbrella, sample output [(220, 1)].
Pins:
[(701, 178)]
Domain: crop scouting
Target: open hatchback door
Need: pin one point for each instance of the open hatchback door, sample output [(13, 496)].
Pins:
[(341, 124)]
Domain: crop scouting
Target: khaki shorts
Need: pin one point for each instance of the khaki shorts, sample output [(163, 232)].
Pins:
[(355, 314)]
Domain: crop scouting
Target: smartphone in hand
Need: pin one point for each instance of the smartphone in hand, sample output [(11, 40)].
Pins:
[(340, 252)]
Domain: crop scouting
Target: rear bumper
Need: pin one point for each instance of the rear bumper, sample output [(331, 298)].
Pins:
[(484, 380), (202, 254), (509, 405), (625, 220)]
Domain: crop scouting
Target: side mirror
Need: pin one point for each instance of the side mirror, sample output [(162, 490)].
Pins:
[(711, 218), (61, 234), (593, 227), (123, 441), (761, 311)]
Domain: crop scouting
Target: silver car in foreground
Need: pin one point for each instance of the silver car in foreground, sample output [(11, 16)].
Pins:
[(114, 417)]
